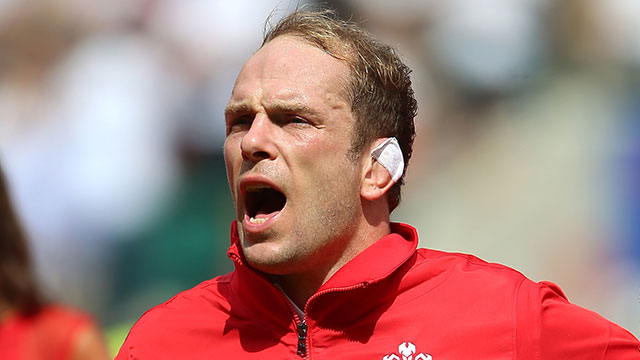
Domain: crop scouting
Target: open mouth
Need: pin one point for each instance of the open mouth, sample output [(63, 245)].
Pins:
[(263, 203)]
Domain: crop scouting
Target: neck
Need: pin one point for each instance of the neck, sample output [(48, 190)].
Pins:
[(300, 286)]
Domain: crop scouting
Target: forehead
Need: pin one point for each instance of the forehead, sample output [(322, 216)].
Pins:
[(289, 68)]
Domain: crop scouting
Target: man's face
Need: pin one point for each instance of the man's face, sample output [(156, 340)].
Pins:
[(295, 188)]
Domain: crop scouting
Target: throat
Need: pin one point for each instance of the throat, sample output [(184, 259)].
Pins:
[(297, 308), (298, 288)]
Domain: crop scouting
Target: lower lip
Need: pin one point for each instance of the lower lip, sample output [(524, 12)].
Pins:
[(259, 227)]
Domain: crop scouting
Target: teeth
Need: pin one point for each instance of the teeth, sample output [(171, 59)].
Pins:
[(257, 221)]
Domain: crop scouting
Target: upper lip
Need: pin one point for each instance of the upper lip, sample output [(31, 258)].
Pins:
[(249, 182)]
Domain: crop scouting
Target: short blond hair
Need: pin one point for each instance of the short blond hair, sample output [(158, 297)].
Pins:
[(380, 91)]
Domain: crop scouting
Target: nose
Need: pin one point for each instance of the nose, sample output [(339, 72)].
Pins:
[(258, 143)]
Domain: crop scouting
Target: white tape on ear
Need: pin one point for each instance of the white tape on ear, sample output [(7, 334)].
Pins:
[(389, 155)]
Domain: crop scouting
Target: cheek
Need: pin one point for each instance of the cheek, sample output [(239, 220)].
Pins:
[(231, 164), (331, 172), (334, 165), (321, 149)]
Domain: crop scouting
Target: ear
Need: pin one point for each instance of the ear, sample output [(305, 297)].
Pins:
[(376, 180)]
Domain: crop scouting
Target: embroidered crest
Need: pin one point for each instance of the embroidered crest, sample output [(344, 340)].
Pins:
[(407, 351)]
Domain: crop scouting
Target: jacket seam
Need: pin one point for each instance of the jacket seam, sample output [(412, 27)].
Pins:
[(606, 350), (516, 320)]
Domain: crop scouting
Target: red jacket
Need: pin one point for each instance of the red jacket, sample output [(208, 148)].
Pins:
[(391, 302)]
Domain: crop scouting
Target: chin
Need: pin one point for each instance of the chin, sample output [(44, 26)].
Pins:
[(270, 266), (264, 257), (249, 239)]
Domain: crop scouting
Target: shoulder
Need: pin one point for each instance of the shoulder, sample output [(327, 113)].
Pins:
[(477, 290), (569, 331), (161, 326), (551, 326), (206, 296), (546, 324), (464, 269)]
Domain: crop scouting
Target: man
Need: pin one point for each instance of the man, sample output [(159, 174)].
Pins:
[(319, 127)]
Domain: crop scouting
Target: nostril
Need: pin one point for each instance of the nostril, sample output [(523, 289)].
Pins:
[(261, 154), (256, 155)]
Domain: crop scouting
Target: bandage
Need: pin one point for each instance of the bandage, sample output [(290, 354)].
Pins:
[(389, 155)]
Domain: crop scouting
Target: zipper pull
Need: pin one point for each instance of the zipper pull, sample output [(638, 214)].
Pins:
[(302, 338)]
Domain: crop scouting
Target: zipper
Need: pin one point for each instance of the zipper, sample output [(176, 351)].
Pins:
[(301, 324), (302, 328), (302, 338)]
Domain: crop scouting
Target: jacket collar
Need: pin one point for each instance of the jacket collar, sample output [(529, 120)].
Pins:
[(374, 264), (377, 261)]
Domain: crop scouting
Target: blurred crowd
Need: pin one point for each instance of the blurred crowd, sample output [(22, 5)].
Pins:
[(527, 153)]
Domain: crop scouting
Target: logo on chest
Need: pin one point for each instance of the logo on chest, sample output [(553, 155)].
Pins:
[(407, 351)]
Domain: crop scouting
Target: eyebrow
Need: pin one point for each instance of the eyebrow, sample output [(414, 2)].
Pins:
[(291, 107), (237, 108), (245, 106)]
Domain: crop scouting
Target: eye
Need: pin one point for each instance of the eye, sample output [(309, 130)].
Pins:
[(295, 119), (239, 123)]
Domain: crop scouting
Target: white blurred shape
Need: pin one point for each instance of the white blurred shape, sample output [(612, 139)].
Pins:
[(213, 39), (90, 157), (213, 30), (95, 155), (119, 129), (487, 44)]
